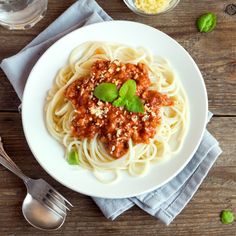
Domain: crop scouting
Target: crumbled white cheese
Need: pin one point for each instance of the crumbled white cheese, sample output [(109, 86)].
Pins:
[(110, 70), (152, 6), (153, 113), (106, 110), (99, 103), (145, 118), (97, 111), (118, 132), (134, 118), (148, 109), (116, 62)]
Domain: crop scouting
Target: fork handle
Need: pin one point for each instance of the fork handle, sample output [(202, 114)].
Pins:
[(10, 167)]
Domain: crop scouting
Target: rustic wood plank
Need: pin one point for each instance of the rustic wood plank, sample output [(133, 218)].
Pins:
[(215, 53), (200, 217)]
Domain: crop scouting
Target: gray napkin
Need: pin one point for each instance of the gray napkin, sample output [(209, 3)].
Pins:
[(164, 203)]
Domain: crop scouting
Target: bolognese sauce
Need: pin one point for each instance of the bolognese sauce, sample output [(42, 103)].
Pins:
[(115, 125)]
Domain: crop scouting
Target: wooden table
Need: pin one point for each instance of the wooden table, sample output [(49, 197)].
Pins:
[(215, 54)]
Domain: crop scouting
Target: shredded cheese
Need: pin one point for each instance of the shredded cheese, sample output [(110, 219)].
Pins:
[(152, 6), (97, 111), (118, 132)]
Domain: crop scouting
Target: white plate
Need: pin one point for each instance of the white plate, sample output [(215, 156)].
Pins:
[(50, 154)]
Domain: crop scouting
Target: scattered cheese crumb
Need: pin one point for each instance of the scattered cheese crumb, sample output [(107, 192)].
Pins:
[(145, 118), (118, 132), (106, 110), (116, 62), (134, 118), (97, 111), (110, 70), (147, 108), (99, 103)]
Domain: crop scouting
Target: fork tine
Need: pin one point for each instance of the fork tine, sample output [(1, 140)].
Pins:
[(59, 200), (57, 193), (50, 208), (56, 205)]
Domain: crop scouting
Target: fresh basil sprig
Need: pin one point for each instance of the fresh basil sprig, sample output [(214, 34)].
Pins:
[(126, 97)]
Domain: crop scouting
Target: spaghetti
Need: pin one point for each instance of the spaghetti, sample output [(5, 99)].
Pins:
[(83, 124)]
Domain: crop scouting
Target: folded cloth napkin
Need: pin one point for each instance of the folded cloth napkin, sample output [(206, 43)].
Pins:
[(164, 203)]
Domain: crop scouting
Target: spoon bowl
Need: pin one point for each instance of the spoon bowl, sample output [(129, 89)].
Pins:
[(39, 216)]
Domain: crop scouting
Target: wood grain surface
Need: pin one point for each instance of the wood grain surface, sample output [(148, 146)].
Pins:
[(215, 54)]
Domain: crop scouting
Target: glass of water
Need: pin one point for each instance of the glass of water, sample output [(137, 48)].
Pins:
[(21, 14)]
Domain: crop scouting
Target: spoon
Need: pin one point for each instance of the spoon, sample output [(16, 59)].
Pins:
[(39, 216), (43, 207)]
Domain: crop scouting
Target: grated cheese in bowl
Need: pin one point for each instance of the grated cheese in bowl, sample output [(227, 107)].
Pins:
[(151, 7)]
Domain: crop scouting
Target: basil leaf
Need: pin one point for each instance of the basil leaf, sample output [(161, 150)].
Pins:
[(206, 22), (119, 102), (134, 104), (106, 92), (73, 158), (128, 88), (227, 217)]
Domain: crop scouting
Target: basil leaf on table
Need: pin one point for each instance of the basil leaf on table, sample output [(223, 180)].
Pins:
[(206, 22), (106, 92), (227, 217)]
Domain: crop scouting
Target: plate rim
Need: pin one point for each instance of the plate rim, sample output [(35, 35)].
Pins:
[(123, 195)]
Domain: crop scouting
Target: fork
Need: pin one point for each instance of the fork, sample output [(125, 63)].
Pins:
[(39, 189)]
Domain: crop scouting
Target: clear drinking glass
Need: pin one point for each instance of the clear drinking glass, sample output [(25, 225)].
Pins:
[(21, 14)]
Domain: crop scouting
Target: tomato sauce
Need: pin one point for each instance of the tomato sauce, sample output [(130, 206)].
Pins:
[(115, 125)]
